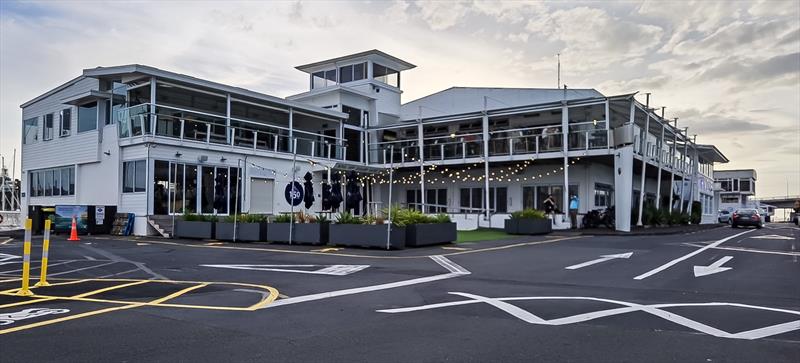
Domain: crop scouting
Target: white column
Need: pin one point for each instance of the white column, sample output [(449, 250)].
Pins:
[(660, 161), (485, 134), (291, 123), (565, 150), (672, 164), (228, 132), (623, 180), (693, 178), (643, 149), (683, 162), (420, 140)]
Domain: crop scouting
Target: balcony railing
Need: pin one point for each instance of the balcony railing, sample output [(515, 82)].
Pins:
[(208, 129)]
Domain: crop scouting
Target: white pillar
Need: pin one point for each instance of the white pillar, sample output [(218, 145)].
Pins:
[(642, 148), (485, 134), (672, 164), (692, 179), (420, 140), (683, 162), (565, 150), (660, 161)]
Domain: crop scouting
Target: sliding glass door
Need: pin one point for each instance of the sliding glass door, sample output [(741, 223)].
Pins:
[(188, 188)]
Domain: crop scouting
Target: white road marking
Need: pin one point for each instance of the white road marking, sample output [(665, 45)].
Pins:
[(36, 267), (685, 257), (745, 249), (627, 307), (81, 269), (333, 270), (443, 261), (602, 258), (90, 258), (113, 257), (10, 318), (7, 257), (772, 236), (712, 268)]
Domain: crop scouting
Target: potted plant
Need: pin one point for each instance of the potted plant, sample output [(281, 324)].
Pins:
[(249, 228), (370, 231), (306, 229), (529, 222), (195, 226), (424, 230)]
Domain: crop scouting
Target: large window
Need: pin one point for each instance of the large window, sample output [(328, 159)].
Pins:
[(603, 195), (134, 176), (193, 100), (744, 185), (472, 200), (30, 131), (52, 182), (353, 115), (435, 200), (386, 75), (353, 72), (65, 122), (48, 127), (87, 117), (534, 196), (323, 78)]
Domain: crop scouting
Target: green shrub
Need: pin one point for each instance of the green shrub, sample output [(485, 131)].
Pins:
[(697, 210), (283, 218), (191, 217), (441, 218), (347, 218), (321, 218), (528, 214)]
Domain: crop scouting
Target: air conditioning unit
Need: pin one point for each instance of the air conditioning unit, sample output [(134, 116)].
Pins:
[(202, 158), (623, 135)]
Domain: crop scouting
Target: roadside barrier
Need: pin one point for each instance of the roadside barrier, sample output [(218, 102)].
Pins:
[(45, 253), (73, 236), (26, 261)]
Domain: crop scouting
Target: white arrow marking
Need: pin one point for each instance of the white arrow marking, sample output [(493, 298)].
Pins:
[(334, 270), (603, 258), (712, 268), (772, 236)]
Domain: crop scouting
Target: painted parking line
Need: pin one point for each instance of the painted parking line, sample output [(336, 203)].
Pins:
[(502, 303), (687, 256)]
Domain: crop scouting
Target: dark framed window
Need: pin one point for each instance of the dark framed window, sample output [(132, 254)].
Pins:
[(87, 117), (30, 130), (386, 75), (603, 195), (134, 176), (52, 182), (472, 200), (65, 122), (48, 127)]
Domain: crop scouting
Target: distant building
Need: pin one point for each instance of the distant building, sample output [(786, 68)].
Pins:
[(156, 143)]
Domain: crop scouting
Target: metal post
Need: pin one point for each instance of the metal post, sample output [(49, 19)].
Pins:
[(660, 161), (45, 253), (642, 145), (565, 150), (692, 179), (485, 126), (672, 164), (420, 140), (26, 261), (175, 176), (294, 174), (236, 197), (683, 161), (389, 213)]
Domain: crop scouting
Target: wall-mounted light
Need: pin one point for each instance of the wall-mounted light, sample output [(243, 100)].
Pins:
[(108, 152), (222, 159), (178, 154), (453, 136)]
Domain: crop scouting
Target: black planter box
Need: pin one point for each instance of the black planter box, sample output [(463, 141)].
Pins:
[(528, 226), (194, 229), (302, 233), (430, 234), (245, 232), (367, 235)]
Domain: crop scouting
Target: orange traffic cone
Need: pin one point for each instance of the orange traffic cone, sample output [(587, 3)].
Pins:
[(73, 236)]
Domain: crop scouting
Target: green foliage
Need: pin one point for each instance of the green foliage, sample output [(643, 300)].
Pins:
[(677, 218), (347, 218), (528, 214), (697, 210), (191, 217), (283, 218), (321, 218), (407, 216), (441, 218), (246, 218), (653, 217)]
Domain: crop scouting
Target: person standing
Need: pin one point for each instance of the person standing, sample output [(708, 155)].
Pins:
[(574, 204), (549, 204)]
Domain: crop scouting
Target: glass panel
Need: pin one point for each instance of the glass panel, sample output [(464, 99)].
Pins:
[(190, 99), (430, 199), (501, 196), (207, 189), (318, 80), (169, 126), (477, 199), (34, 188), (598, 139), (56, 182), (65, 181), (140, 95), (330, 76), (87, 117), (40, 184), (464, 200), (65, 120), (541, 195), (160, 187), (191, 189), (218, 134), (359, 71), (236, 184), (72, 181), (48, 183), (346, 73), (127, 177), (30, 130), (221, 190), (244, 138), (178, 190), (353, 142), (528, 198), (194, 130), (442, 200), (140, 176), (48, 127)]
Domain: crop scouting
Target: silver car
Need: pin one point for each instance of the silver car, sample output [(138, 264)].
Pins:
[(724, 216)]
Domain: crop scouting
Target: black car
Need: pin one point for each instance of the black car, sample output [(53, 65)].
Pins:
[(747, 217)]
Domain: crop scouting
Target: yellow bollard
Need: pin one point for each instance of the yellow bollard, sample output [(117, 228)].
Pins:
[(45, 253), (26, 261)]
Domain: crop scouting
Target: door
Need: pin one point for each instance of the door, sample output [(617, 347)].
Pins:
[(261, 196)]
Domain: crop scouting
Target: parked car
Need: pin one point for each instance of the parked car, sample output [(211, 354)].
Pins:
[(747, 217), (724, 216)]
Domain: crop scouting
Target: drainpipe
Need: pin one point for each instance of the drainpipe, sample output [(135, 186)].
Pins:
[(642, 148)]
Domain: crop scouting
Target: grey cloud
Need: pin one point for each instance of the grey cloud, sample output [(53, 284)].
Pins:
[(756, 72)]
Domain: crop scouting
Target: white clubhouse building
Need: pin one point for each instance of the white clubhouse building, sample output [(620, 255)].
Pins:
[(154, 143)]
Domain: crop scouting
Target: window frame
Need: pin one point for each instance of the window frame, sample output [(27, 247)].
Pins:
[(96, 116), (47, 127), (134, 166), (65, 122), (32, 122)]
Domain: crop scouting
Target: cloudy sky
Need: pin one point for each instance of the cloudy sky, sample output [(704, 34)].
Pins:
[(729, 70)]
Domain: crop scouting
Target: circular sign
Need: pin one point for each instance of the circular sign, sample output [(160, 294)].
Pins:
[(293, 193)]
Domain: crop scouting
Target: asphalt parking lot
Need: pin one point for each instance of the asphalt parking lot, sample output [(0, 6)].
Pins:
[(715, 295)]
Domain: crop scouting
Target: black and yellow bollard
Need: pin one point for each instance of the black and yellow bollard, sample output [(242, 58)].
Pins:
[(45, 253), (26, 261)]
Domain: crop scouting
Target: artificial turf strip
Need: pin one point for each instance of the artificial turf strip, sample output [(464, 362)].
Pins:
[(483, 234)]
